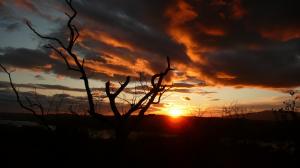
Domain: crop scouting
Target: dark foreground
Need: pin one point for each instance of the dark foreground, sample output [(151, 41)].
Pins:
[(160, 142)]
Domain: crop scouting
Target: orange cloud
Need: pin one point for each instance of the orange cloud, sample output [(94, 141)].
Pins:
[(114, 65), (281, 33), (209, 30), (223, 75), (135, 65), (129, 68), (105, 38), (179, 14), (238, 11), (42, 68)]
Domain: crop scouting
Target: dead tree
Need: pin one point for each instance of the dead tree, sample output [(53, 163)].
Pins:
[(31, 105), (152, 96), (65, 51), (290, 105)]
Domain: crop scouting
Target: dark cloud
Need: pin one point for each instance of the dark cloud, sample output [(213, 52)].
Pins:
[(137, 91), (278, 13), (136, 23), (203, 92), (12, 12), (6, 85), (228, 45), (226, 42), (186, 98), (12, 27), (26, 58), (190, 90), (276, 65), (183, 85), (187, 85), (216, 99), (8, 21), (39, 77), (57, 103), (41, 60)]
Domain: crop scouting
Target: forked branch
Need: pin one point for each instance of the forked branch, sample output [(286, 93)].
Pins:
[(153, 96)]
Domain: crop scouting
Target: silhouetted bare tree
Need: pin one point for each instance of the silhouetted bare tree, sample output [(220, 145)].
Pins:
[(153, 96), (198, 112), (234, 110), (289, 110), (67, 54), (65, 51)]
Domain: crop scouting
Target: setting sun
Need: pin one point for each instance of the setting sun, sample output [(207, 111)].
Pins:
[(175, 111)]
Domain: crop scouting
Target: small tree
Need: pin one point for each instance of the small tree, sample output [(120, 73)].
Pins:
[(234, 110), (289, 108)]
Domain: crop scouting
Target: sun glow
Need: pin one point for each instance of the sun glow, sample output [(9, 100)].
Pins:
[(175, 111)]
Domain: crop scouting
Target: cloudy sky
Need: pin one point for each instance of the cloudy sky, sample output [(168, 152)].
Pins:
[(224, 51)]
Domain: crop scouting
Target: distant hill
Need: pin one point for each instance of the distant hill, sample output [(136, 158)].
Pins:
[(267, 115)]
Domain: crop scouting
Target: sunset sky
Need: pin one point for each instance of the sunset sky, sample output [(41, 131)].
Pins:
[(224, 51)]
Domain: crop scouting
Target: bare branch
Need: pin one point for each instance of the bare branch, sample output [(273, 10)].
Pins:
[(82, 64), (45, 37), (112, 96), (28, 108), (124, 99), (64, 57), (149, 98), (122, 86), (161, 93), (77, 33)]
